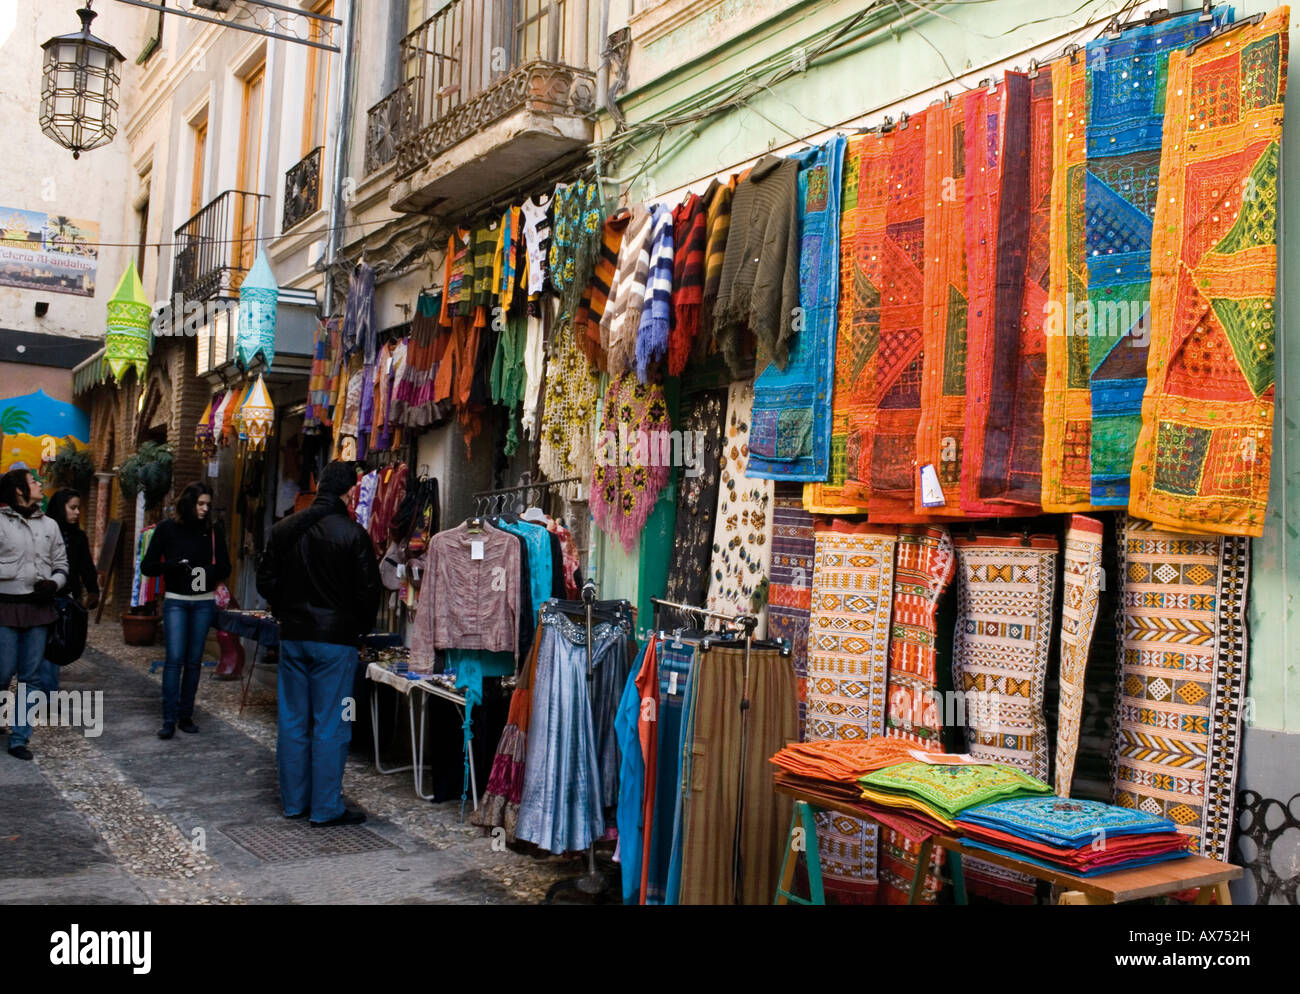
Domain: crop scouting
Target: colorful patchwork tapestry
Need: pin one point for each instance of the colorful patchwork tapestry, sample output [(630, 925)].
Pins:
[(1205, 449), (789, 598), (742, 529), (848, 665), (954, 789), (858, 348), (984, 119), (900, 357), (924, 564), (999, 656), (1067, 401), (940, 434), (828, 497), (1182, 677), (1009, 365), (791, 436), (1127, 92), (1082, 597)]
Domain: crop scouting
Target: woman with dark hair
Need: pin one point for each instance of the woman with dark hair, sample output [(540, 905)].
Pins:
[(189, 553), (64, 509), (33, 568)]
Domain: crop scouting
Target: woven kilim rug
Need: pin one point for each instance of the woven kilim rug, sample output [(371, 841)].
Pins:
[(789, 598), (924, 564), (848, 664), (1182, 678), (1203, 456), (1006, 586), (1082, 597)]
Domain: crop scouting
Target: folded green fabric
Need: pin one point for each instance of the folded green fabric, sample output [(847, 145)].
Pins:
[(953, 789)]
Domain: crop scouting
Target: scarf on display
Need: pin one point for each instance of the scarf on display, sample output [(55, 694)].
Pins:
[(568, 411), (697, 504), (900, 358), (622, 318), (789, 598), (359, 315), (742, 532), (575, 241), (690, 234), (317, 415), (1205, 448), (848, 665), (1123, 166), (790, 439), (718, 225), (631, 467), (1067, 402), (829, 497), (759, 285), (413, 403), (536, 213), (657, 313), (458, 276), (1182, 679), (1080, 602), (596, 300)]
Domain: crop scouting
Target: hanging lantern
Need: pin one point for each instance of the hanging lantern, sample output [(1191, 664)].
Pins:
[(203, 442), (258, 296), (127, 342), (256, 416), (79, 95), (235, 422), (223, 425)]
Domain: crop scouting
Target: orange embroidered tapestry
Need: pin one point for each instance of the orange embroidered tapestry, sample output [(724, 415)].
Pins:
[(1203, 454)]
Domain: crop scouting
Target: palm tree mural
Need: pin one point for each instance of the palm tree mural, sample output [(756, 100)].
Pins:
[(13, 420)]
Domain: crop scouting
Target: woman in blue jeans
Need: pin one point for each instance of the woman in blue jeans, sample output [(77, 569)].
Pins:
[(189, 553)]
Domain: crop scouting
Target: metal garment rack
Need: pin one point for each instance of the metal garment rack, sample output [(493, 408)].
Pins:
[(746, 623), (495, 501)]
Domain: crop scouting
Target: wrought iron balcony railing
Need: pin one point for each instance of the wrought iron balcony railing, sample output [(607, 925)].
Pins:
[(474, 62), (302, 189), (215, 249)]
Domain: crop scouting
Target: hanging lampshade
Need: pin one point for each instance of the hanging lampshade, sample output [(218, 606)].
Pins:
[(79, 94), (256, 416), (127, 342), (229, 412), (258, 296)]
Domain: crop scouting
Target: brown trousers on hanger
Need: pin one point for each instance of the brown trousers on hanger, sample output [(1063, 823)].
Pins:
[(711, 795)]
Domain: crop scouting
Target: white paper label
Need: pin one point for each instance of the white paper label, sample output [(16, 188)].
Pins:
[(476, 550), (213, 469), (931, 492), (1102, 577), (401, 571), (672, 682)]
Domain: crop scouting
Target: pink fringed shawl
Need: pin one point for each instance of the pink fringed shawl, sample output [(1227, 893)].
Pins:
[(633, 457)]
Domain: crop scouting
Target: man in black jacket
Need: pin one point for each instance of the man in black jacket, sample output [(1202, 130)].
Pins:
[(320, 575)]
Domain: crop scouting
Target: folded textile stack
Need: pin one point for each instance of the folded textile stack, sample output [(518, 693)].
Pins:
[(1084, 838), (845, 760), (943, 792)]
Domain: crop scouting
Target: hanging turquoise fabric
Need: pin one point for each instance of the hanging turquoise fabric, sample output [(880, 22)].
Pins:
[(790, 435), (258, 297), (128, 341)]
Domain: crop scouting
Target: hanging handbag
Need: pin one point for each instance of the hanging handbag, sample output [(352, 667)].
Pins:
[(66, 639), (222, 591)]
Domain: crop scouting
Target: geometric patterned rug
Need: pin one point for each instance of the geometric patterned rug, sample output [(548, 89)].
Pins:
[(1182, 679), (1082, 598)]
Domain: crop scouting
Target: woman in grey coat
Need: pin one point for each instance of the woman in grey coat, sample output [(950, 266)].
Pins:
[(33, 568)]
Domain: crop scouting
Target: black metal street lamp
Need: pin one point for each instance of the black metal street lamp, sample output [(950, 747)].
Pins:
[(79, 96)]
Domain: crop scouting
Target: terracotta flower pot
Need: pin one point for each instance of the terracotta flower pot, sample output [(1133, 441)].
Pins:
[(140, 629)]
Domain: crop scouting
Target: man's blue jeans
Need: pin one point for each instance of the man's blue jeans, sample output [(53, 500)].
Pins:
[(312, 748), (22, 650), (186, 623)]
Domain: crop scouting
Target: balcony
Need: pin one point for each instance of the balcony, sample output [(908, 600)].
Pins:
[(215, 249), (493, 89), (302, 189)]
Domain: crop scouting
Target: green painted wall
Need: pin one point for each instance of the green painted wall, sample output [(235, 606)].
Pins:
[(889, 70)]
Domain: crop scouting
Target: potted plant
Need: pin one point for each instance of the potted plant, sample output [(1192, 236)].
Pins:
[(147, 470), (71, 467), (140, 625)]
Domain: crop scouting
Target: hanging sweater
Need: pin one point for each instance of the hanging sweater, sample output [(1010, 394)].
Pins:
[(690, 236), (596, 299), (759, 288), (622, 317), (718, 225)]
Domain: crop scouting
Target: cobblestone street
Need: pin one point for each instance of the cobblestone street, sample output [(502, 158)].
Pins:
[(125, 817)]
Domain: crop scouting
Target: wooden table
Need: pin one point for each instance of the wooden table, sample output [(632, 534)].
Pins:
[(1208, 876)]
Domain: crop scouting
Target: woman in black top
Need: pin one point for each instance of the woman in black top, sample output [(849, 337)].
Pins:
[(64, 509), (189, 553)]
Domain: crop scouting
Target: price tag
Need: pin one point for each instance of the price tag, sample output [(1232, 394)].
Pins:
[(476, 550), (1102, 573), (931, 492), (672, 682), (213, 468), (401, 571)]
